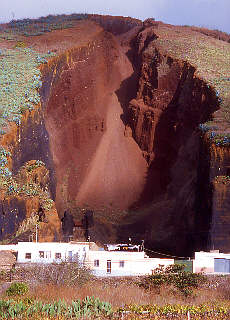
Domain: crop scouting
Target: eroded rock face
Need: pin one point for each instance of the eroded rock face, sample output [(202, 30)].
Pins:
[(118, 133), (220, 181), (12, 213), (33, 183), (170, 103), (116, 25), (97, 164)]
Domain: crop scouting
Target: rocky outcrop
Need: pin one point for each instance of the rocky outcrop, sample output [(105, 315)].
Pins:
[(118, 132), (97, 163), (170, 104), (116, 25), (32, 184)]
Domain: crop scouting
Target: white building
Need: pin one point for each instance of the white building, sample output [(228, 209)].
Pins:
[(211, 262), (122, 263), (102, 263), (48, 252)]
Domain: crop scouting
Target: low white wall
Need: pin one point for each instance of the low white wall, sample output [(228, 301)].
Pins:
[(6, 247)]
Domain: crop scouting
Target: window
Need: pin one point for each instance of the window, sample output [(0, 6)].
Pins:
[(96, 263), (70, 256), (122, 264), (28, 255), (41, 254), (57, 255), (48, 254), (108, 266)]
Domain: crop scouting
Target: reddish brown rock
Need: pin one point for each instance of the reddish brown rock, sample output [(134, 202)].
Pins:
[(118, 132)]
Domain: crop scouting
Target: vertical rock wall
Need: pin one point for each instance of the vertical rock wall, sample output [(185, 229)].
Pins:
[(171, 102), (219, 237)]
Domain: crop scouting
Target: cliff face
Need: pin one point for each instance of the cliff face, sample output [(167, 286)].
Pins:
[(32, 182), (118, 131), (96, 161), (116, 25), (171, 102)]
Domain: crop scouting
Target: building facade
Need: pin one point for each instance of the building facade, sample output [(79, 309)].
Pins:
[(102, 263), (122, 263), (211, 262), (50, 252)]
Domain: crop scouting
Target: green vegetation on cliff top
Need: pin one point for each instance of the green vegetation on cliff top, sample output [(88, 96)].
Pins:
[(19, 29), (209, 56), (211, 59)]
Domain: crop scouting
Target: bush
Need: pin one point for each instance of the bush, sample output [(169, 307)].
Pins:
[(20, 44), (173, 275), (17, 289), (64, 273)]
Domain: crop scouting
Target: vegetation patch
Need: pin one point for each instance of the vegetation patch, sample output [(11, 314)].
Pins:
[(16, 29), (20, 81), (17, 289), (173, 275), (176, 311), (88, 308), (211, 60), (218, 138), (60, 274)]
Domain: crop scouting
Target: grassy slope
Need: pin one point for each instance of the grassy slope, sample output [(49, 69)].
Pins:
[(210, 57)]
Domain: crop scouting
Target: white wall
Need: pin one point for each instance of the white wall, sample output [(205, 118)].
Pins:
[(67, 250), (4, 247), (135, 263), (204, 261)]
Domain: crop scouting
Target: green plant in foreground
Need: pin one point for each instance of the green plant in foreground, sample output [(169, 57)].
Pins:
[(17, 289), (173, 275), (88, 308), (177, 311)]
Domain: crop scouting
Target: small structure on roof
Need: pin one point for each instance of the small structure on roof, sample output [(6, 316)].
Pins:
[(122, 247)]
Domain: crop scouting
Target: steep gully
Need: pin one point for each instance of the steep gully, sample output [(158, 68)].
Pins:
[(119, 131), (166, 201)]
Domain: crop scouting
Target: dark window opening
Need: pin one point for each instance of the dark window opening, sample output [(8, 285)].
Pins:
[(122, 264), (108, 266), (41, 254), (96, 263), (28, 255), (57, 255)]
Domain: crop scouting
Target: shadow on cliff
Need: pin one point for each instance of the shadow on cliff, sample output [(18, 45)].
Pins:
[(128, 89), (173, 213), (165, 216)]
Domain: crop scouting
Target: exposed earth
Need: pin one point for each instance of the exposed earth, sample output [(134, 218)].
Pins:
[(131, 121)]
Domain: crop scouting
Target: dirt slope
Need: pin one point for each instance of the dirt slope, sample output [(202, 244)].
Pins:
[(117, 171), (97, 162)]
